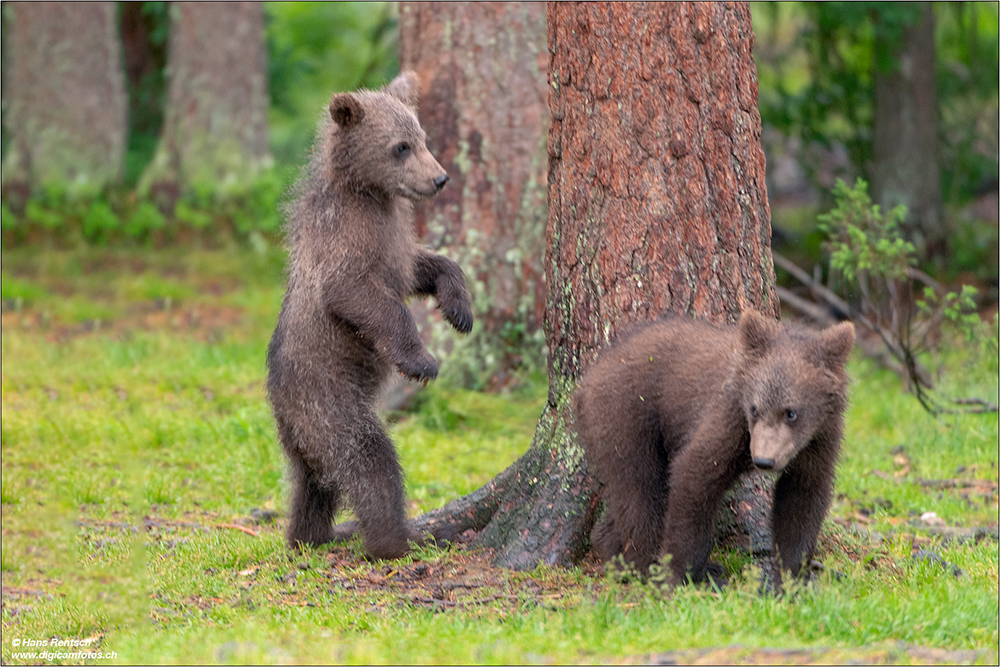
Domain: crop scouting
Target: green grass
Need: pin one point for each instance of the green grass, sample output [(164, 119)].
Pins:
[(130, 453)]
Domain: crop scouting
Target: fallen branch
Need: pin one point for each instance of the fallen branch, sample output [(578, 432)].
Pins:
[(984, 484), (819, 291), (420, 599), (433, 601), (983, 405), (921, 533), (821, 316), (234, 526), (916, 274), (916, 374), (898, 354), (824, 318)]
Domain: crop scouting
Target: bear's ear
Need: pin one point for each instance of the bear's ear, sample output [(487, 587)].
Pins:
[(405, 88), (756, 333), (835, 345), (345, 110)]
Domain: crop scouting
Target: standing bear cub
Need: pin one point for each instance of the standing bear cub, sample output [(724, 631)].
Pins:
[(344, 324), (671, 415)]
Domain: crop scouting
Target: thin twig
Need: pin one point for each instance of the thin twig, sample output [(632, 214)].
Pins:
[(234, 526)]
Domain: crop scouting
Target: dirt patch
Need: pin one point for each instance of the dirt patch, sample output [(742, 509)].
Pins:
[(460, 578), (900, 653), (463, 579), (205, 322)]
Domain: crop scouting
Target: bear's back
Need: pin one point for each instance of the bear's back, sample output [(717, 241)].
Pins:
[(659, 377)]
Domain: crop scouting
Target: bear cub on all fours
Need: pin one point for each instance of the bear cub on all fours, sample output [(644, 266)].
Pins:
[(671, 414), (344, 324)]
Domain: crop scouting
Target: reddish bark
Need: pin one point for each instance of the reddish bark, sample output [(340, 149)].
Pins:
[(483, 102), (657, 193), (657, 204)]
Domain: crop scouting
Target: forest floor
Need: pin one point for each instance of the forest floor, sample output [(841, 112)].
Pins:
[(143, 506)]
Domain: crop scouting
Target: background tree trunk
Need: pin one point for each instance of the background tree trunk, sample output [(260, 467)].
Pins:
[(215, 124), (657, 204), (904, 135), (64, 95), (483, 102)]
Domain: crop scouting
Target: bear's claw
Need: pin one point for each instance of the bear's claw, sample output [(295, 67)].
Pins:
[(460, 318), (422, 368)]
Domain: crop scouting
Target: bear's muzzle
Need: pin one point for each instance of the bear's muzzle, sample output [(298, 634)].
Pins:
[(772, 447)]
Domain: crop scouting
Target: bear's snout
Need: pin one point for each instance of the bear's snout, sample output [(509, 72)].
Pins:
[(440, 181), (763, 463), (772, 446)]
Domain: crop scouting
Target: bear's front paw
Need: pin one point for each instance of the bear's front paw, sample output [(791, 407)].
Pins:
[(420, 367), (459, 314)]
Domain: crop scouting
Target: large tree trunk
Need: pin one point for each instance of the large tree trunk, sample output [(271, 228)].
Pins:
[(657, 204), (215, 125), (483, 102), (65, 97), (904, 134)]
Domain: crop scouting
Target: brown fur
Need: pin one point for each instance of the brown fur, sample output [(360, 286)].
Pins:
[(670, 416), (344, 325)]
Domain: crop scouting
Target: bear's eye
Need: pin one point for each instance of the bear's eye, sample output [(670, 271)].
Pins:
[(791, 416), (401, 150), (753, 411)]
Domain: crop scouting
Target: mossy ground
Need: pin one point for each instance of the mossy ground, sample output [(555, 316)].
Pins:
[(143, 491)]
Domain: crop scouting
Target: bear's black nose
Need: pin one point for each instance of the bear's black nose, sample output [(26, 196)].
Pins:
[(440, 181), (763, 464)]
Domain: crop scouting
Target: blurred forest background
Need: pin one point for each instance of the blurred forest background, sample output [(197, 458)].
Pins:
[(148, 147), (153, 123)]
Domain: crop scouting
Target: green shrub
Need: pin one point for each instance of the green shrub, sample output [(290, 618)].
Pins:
[(318, 48), (248, 213), (99, 221), (874, 266), (189, 215), (40, 215), (862, 240), (145, 218)]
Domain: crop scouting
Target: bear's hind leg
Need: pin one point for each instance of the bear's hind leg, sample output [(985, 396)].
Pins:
[(636, 489), (373, 480), (314, 505), (605, 540)]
